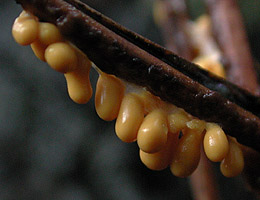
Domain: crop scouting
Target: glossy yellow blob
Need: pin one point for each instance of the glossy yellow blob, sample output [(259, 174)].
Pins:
[(215, 143), (152, 135), (130, 117), (160, 160), (187, 155), (61, 57), (78, 83), (39, 49), (25, 29), (177, 120), (233, 163), (109, 94), (211, 65), (48, 34)]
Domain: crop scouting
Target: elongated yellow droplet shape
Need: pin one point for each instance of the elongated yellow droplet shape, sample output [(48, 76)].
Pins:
[(109, 95), (78, 83), (39, 49), (61, 57), (215, 143), (130, 117), (25, 29), (160, 160), (187, 155), (152, 135), (233, 163), (48, 33)]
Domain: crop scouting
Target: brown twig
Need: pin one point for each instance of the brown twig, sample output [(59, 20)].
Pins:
[(228, 26), (127, 55), (203, 182), (228, 90), (173, 24), (231, 36)]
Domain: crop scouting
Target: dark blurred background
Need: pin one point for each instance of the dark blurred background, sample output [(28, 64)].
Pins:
[(52, 148)]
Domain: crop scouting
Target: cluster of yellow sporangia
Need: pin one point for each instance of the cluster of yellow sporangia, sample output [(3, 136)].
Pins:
[(165, 134)]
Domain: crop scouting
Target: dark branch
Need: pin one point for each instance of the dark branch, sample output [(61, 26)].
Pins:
[(135, 59)]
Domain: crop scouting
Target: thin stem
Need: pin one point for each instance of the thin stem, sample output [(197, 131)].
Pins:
[(230, 34), (173, 25)]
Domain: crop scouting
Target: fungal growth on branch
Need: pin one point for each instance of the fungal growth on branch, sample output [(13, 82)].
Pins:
[(167, 104)]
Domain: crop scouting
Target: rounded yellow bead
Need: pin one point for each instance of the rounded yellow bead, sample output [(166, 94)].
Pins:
[(187, 154), (25, 30), (61, 57), (160, 160), (78, 83), (109, 94), (233, 163), (215, 143), (130, 117), (48, 33), (152, 135)]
